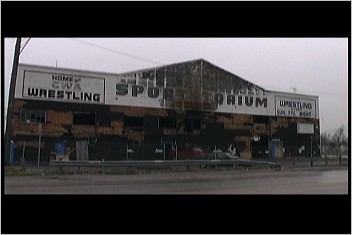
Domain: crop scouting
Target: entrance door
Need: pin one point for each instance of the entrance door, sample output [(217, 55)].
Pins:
[(259, 148), (276, 148), (82, 150)]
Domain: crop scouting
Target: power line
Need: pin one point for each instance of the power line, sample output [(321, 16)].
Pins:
[(325, 92), (25, 44), (314, 92), (334, 130), (116, 52)]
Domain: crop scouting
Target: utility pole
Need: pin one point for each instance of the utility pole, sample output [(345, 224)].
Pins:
[(8, 132), (39, 142), (311, 151)]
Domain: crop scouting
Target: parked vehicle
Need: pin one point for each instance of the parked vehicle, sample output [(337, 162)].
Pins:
[(219, 156), (189, 152)]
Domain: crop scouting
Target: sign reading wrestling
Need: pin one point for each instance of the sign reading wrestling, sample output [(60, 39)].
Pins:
[(295, 107)]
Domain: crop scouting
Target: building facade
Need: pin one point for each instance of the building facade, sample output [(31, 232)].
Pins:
[(147, 114)]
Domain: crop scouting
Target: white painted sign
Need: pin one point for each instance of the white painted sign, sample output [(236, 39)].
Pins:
[(130, 92), (148, 89), (304, 128), (145, 93), (293, 106), (257, 104), (62, 87)]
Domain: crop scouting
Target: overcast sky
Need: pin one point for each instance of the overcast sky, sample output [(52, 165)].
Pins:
[(315, 66)]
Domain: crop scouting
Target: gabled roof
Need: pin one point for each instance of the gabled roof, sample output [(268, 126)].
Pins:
[(206, 68)]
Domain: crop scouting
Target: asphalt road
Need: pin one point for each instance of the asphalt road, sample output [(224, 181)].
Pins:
[(302, 181)]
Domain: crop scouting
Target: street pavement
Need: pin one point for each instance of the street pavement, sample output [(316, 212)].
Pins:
[(209, 181)]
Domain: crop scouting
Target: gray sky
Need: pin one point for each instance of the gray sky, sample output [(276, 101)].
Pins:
[(316, 66)]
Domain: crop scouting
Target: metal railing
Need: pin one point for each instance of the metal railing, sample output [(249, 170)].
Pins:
[(162, 163)]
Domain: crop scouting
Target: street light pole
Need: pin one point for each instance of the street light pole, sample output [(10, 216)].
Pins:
[(9, 117)]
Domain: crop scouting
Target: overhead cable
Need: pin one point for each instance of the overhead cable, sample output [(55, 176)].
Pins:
[(117, 52)]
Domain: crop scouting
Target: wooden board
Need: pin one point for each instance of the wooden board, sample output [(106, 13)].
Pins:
[(63, 118), (82, 129), (260, 129), (138, 111), (246, 154), (134, 135)]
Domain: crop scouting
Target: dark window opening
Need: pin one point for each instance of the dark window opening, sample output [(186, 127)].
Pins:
[(261, 119), (192, 124), (33, 116), (196, 124), (137, 143), (165, 122), (136, 122), (84, 118), (188, 125)]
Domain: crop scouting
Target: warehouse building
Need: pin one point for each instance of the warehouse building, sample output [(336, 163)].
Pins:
[(149, 114)]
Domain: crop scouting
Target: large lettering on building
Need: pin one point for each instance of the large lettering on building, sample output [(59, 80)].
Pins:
[(62, 87), (133, 92), (195, 86), (190, 86), (291, 106)]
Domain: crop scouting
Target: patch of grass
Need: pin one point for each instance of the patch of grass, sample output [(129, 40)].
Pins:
[(18, 170)]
